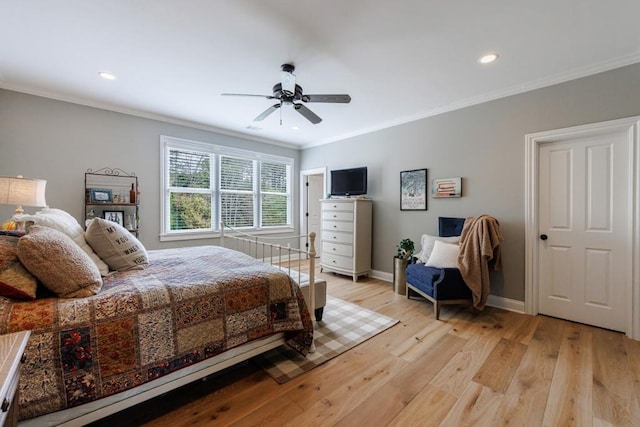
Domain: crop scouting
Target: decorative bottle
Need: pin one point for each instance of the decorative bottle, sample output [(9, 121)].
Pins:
[(132, 194)]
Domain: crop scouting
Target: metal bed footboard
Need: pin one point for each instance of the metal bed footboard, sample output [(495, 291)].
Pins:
[(285, 257)]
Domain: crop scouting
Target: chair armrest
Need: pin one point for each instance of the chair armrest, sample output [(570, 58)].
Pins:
[(450, 285)]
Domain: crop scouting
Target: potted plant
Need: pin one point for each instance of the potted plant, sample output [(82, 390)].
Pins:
[(402, 258), (405, 249)]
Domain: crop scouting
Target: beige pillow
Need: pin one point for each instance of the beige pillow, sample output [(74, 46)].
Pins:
[(59, 263), (427, 242), (444, 255), (15, 281), (116, 245), (64, 222)]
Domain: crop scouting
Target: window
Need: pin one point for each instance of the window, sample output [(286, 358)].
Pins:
[(205, 183)]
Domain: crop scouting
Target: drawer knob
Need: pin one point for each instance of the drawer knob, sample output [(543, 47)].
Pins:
[(5, 405), (335, 226), (23, 359)]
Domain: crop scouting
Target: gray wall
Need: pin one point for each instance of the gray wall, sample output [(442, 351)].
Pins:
[(484, 145), (58, 141)]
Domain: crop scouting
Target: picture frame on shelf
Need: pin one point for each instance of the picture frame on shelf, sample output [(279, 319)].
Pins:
[(413, 190), (444, 188), (100, 195), (114, 216)]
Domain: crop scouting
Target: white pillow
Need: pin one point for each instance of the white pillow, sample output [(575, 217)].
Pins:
[(64, 222), (427, 243), (444, 255)]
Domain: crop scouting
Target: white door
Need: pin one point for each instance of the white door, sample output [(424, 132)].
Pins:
[(316, 188), (584, 227), (312, 192)]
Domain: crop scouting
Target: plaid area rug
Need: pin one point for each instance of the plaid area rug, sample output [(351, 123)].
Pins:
[(344, 325)]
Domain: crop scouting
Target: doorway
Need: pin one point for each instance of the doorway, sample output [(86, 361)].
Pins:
[(582, 225), (312, 189)]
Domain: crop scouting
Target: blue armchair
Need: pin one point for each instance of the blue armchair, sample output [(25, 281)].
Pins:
[(439, 285)]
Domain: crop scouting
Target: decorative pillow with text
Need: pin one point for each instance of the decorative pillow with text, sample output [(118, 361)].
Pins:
[(117, 247)]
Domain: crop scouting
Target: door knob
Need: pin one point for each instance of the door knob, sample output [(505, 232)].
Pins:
[(543, 237)]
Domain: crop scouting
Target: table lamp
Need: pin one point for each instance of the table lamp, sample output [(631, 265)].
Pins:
[(21, 191)]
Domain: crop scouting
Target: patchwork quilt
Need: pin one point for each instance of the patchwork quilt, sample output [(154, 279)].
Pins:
[(189, 304)]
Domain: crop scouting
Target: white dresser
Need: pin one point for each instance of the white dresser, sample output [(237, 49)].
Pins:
[(346, 236)]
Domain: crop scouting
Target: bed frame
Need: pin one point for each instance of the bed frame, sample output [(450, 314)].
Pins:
[(286, 258), (282, 256)]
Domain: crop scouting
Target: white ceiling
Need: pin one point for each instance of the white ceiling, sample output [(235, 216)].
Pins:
[(399, 60)]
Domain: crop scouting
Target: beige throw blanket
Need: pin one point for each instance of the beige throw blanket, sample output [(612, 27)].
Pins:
[(479, 244)]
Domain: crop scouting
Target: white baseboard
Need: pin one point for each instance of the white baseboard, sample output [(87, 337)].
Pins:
[(493, 301), (382, 275), (506, 303)]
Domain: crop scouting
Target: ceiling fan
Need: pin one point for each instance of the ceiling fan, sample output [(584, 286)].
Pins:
[(287, 92)]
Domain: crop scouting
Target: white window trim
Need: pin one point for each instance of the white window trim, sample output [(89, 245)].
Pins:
[(186, 144)]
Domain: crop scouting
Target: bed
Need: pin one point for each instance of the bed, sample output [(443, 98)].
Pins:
[(191, 312)]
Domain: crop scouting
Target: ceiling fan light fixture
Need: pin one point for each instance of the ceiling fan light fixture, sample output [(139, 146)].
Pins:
[(488, 58), (288, 93)]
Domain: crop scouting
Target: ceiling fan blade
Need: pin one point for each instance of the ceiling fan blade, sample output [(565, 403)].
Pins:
[(248, 94), (266, 112), (308, 114), (340, 99)]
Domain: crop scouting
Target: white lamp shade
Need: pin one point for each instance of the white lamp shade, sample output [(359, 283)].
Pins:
[(21, 191)]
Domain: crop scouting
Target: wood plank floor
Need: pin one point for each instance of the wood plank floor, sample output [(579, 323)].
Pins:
[(496, 368)]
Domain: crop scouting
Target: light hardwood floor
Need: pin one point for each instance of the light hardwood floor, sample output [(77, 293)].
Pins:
[(496, 368)]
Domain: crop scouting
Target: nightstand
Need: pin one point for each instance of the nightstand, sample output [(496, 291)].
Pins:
[(11, 359)]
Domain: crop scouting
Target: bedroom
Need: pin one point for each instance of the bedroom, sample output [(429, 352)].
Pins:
[(58, 140)]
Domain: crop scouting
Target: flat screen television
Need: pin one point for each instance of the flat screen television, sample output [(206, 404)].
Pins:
[(349, 182)]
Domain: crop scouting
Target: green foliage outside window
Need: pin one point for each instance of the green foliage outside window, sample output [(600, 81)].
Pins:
[(239, 183)]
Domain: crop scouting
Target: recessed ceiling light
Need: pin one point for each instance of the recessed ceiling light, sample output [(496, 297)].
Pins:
[(488, 58), (107, 76), (295, 128)]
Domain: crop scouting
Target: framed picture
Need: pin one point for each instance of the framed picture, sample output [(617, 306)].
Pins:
[(447, 187), (413, 190), (114, 216), (100, 195)]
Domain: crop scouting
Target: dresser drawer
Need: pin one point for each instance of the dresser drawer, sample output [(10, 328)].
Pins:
[(337, 226), (337, 206), (337, 261), (337, 237), (336, 215), (331, 248)]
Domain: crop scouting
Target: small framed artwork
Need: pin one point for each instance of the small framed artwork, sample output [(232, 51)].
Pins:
[(100, 195), (413, 190), (447, 187), (114, 216)]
